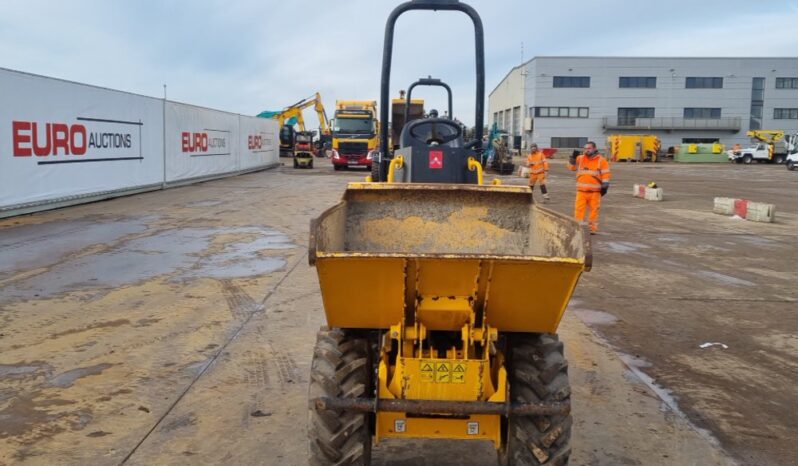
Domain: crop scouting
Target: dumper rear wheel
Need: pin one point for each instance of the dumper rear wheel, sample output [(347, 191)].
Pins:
[(341, 367), (538, 372)]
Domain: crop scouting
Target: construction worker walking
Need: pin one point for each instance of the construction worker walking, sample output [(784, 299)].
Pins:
[(592, 182), (538, 168)]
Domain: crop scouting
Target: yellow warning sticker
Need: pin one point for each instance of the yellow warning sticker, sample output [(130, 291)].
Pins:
[(443, 372), (427, 371), (458, 372)]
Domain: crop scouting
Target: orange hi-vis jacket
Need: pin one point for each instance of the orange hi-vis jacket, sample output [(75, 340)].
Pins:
[(591, 172), (538, 165)]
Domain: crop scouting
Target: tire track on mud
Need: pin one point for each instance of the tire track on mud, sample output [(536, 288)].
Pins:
[(234, 297)]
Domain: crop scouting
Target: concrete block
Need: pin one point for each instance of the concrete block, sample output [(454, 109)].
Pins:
[(644, 192), (743, 208), (723, 206)]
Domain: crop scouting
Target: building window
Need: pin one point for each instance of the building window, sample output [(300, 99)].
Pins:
[(568, 143), (701, 112), (704, 83), (516, 121), (627, 116), (757, 103), (785, 113), (637, 82), (561, 112), (700, 140), (572, 81), (786, 83), (496, 118)]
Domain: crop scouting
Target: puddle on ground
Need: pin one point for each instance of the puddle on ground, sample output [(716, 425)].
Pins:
[(66, 379), (205, 203), (723, 278), (23, 370), (592, 317), (28, 247), (623, 246), (181, 250)]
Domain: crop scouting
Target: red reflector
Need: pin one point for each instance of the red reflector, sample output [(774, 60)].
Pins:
[(436, 159)]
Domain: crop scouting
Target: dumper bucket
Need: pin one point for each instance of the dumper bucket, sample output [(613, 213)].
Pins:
[(384, 245)]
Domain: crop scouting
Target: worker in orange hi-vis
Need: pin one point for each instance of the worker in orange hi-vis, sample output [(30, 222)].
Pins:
[(592, 182), (538, 168)]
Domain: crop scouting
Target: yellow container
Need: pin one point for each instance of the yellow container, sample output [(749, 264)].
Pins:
[(637, 147), (385, 245)]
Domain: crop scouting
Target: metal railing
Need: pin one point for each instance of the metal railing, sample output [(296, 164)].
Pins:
[(674, 123)]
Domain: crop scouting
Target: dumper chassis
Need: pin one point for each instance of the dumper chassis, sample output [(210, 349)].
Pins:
[(455, 336)]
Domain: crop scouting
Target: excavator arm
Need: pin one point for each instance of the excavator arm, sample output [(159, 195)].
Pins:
[(295, 111)]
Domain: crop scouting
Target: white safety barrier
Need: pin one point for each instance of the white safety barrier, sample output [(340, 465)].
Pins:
[(753, 211), (644, 192), (64, 143)]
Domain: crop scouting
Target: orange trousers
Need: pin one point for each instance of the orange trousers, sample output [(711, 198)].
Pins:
[(537, 178), (586, 200)]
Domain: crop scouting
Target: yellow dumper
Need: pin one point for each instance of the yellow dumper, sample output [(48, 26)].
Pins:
[(442, 297)]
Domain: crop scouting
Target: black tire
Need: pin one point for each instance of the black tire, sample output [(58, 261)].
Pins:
[(379, 171), (747, 159), (790, 165), (537, 372), (341, 367), (296, 165), (779, 159), (337, 167)]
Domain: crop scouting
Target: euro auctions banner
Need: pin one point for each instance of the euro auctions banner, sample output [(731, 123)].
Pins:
[(259, 142), (60, 139), (200, 142)]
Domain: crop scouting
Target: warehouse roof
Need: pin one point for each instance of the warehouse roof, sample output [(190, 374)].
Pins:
[(604, 57)]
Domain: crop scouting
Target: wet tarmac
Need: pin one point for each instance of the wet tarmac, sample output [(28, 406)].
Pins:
[(176, 327)]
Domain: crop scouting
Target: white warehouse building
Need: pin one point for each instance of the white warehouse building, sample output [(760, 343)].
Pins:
[(563, 102)]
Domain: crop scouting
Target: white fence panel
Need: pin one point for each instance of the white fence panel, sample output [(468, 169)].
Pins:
[(259, 142), (200, 142), (62, 140)]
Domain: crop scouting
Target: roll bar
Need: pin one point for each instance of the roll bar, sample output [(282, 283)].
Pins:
[(428, 82), (387, 57)]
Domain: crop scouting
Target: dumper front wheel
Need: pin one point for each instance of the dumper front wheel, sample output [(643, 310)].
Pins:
[(341, 368), (538, 372)]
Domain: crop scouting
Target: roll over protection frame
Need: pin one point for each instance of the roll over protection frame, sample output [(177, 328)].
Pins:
[(387, 57), (428, 82)]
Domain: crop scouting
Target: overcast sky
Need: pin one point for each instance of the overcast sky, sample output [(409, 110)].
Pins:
[(246, 56)]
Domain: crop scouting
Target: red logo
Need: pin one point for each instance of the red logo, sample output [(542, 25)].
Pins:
[(436, 159), (254, 142), (194, 142), (28, 139)]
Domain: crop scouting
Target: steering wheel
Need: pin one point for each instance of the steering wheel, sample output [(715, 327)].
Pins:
[(436, 138)]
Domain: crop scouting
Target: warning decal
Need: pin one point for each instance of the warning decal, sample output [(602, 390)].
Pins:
[(442, 371), (427, 371), (458, 372)]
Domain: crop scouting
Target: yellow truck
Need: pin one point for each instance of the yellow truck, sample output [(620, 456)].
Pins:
[(355, 134), (633, 147)]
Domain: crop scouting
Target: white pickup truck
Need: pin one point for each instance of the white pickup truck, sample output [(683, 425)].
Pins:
[(792, 161), (758, 153)]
